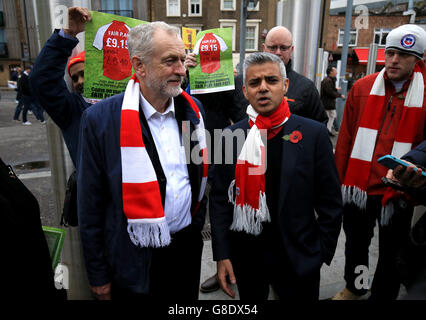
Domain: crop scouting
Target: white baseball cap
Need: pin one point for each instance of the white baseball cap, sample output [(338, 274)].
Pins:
[(408, 38)]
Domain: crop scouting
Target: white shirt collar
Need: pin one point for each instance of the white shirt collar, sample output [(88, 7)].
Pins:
[(149, 110)]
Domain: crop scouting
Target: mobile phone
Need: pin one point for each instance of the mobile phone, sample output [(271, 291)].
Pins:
[(391, 162), (393, 184)]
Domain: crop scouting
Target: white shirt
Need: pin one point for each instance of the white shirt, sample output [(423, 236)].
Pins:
[(165, 132)]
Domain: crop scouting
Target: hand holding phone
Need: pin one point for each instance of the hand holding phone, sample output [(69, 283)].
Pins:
[(391, 162)]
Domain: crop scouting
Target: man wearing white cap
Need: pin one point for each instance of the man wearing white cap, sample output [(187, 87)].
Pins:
[(384, 114)]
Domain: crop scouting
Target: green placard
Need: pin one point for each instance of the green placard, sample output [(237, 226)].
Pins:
[(55, 241), (107, 67), (215, 70)]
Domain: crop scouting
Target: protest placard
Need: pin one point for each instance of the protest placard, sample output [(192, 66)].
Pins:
[(107, 63), (189, 37), (214, 71)]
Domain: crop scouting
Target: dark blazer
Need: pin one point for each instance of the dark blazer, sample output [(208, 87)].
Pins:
[(25, 256), (309, 184), (108, 251), (24, 85), (417, 156)]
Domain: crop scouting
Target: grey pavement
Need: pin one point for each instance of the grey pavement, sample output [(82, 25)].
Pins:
[(20, 145)]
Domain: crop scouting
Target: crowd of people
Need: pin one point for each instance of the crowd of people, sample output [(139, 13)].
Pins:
[(276, 205), (25, 99)]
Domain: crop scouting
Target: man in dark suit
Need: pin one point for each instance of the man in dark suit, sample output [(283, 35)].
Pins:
[(284, 222), (141, 205)]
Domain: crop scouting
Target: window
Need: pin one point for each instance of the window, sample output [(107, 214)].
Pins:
[(250, 38), (252, 35), (195, 8), (227, 5), (119, 7), (250, 6), (173, 8), (380, 35), (353, 37), (231, 23), (1, 14), (3, 44)]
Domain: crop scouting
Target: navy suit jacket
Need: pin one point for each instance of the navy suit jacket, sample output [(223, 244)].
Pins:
[(309, 184), (417, 155), (108, 251)]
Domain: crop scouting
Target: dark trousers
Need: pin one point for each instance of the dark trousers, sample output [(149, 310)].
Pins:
[(38, 110), (359, 230), (24, 105), (261, 261), (174, 272)]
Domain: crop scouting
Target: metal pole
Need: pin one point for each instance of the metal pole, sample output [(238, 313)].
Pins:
[(242, 34), (322, 64), (285, 13), (318, 77), (293, 15), (343, 83), (301, 9), (27, 29), (311, 46), (372, 58), (348, 19), (61, 164)]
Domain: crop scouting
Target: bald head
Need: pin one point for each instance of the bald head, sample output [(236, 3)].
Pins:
[(279, 41)]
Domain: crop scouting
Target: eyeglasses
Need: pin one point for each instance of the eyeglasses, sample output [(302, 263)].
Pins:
[(282, 48)]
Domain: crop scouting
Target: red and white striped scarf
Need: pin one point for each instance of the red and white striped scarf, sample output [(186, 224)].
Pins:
[(354, 188), (250, 207), (147, 225)]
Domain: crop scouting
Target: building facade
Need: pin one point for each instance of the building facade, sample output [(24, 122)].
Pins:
[(18, 37), (23, 31), (204, 15), (367, 27)]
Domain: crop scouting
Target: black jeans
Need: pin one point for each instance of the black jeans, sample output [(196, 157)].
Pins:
[(38, 110), (175, 270), (359, 230), (260, 261), (25, 104)]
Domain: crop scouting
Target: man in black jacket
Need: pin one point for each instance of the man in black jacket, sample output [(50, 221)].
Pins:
[(25, 97), (329, 93), (303, 97)]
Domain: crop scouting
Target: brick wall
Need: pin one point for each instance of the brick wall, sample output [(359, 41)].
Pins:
[(365, 36)]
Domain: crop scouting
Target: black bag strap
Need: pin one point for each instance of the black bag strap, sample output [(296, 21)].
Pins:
[(69, 212)]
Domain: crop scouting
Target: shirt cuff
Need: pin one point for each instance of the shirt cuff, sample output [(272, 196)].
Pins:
[(64, 35)]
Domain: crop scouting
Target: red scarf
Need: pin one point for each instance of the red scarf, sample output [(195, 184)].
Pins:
[(354, 188), (250, 207), (142, 205)]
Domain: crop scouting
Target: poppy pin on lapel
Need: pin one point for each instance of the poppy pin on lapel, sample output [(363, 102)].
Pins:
[(293, 137)]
